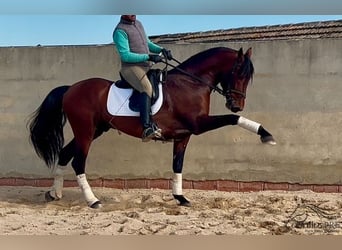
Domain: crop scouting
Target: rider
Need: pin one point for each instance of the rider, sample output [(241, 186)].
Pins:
[(134, 48)]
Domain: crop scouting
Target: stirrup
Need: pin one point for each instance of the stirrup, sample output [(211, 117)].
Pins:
[(157, 130), (150, 133)]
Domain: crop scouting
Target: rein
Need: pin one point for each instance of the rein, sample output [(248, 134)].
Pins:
[(215, 88)]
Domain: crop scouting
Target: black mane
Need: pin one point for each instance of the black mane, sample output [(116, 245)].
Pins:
[(247, 68), (203, 55)]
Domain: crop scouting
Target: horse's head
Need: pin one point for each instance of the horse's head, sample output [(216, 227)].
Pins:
[(235, 82)]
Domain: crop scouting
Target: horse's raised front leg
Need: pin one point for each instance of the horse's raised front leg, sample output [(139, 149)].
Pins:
[(257, 128), (179, 147), (208, 123)]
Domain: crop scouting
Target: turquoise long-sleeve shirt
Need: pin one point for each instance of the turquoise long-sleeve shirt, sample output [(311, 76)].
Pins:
[(120, 39)]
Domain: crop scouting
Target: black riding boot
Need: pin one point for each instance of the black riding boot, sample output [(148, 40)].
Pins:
[(150, 130)]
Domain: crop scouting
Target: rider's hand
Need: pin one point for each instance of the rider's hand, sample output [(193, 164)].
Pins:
[(166, 53), (155, 58)]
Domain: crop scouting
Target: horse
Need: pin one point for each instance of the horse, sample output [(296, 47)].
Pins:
[(184, 112)]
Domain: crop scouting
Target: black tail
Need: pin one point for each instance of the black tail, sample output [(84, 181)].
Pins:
[(46, 126)]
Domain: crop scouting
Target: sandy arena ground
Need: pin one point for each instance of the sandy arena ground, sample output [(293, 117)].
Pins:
[(23, 211)]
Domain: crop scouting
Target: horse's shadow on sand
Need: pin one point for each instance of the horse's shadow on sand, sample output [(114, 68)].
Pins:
[(72, 199)]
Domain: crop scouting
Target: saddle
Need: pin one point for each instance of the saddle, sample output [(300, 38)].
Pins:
[(155, 76)]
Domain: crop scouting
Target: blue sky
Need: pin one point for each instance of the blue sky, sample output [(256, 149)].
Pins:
[(83, 22), (31, 30), (187, 7)]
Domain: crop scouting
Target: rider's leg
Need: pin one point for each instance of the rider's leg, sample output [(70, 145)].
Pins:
[(150, 131), (137, 77)]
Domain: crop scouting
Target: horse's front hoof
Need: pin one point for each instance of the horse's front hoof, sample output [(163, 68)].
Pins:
[(185, 204), (49, 197), (182, 200), (268, 140), (96, 205)]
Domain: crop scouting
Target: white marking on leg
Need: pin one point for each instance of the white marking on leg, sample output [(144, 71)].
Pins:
[(177, 184), (86, 189), (248, 124), (57, 187)]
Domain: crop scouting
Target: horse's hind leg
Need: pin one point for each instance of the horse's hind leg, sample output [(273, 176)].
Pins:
[(56, 192), (67, 153), (78, 165), (84, 132), (65, 156)]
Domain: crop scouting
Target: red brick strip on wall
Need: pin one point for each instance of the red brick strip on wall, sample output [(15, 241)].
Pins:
[(220, 185)]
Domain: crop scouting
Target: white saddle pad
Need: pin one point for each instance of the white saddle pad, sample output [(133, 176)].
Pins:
[(118, 99)]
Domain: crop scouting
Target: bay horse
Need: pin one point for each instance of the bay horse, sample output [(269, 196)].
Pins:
[(184, 112)]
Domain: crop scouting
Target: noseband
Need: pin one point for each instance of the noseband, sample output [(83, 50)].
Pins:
[(229, 93)]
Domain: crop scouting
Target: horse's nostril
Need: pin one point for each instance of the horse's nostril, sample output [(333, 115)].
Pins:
[(235, 109)]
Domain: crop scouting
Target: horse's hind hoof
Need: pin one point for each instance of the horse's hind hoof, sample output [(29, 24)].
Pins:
[(268, 140), (49, 197), (182, 200), (96, 205)]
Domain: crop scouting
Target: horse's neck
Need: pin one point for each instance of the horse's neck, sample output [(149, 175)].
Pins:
[(210, 64), (207, 70), (196, 68)]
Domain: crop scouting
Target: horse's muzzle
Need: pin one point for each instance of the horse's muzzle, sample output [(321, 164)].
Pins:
[(232, 106)]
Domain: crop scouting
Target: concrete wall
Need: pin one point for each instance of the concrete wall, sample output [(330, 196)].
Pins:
[(295, 95)]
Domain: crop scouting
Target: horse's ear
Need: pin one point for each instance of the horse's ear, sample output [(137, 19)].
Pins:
[(249, 52), (240, 53)]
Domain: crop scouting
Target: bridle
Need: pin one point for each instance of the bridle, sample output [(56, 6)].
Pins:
[(227, 94), (201, 80), (230, 90)]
